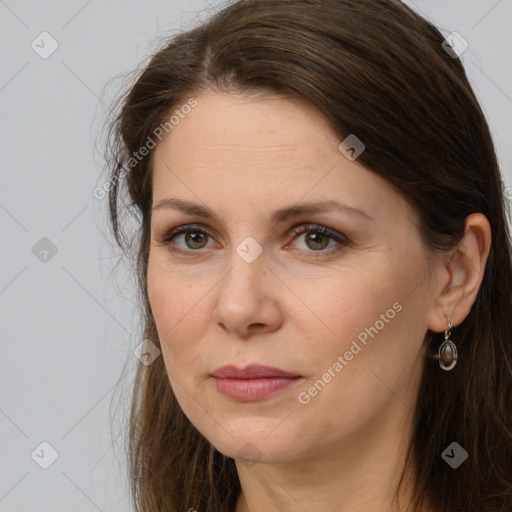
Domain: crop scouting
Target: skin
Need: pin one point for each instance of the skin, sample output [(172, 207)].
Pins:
[(298, 305)]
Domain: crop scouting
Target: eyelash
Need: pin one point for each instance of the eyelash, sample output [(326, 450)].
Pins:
[(342, 240)]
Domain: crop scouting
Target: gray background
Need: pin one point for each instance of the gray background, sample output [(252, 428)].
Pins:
[(67, 328)]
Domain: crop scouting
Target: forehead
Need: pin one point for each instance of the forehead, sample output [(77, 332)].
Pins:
[(264, 129), (266, 151)]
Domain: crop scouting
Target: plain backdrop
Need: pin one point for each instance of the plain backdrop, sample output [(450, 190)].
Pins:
[(67, 328)]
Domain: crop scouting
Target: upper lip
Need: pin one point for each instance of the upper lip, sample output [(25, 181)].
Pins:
[(253, 371)]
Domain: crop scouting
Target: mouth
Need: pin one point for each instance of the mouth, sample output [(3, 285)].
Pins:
[(252, 383)]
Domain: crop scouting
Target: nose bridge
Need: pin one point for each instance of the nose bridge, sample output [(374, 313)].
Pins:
[(247, 265), (241, 299)]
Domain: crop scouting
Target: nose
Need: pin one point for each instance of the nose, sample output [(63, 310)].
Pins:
[(247, 300)]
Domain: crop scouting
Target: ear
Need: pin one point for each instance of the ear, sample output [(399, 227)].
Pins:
[(463, 272)]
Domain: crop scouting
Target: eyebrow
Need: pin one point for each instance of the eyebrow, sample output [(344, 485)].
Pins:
[(280, 215)]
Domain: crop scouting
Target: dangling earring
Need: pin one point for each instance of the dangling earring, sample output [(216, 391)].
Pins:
[(447, 353)]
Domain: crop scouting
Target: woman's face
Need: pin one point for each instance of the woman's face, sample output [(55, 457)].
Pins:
[(343, 310)]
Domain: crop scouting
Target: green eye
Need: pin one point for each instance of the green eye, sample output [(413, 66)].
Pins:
[(195, 239), (316, 240)]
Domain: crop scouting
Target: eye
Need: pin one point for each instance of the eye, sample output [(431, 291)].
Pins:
[(318, 238), (193, 237)]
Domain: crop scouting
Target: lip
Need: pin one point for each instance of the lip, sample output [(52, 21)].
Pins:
[(255, 382), (253, 371)]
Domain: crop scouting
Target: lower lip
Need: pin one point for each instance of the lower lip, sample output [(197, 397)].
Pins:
[(250, 390)]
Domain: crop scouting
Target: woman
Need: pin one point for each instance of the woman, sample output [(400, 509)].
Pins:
[(324, 264)]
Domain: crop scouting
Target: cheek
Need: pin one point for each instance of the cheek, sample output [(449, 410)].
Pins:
[(370, 363), (178, 312), (349, 301), (370, 318), (180, 319)]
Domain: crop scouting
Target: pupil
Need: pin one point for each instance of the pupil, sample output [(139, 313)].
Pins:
[(195, 237), (314, 238)]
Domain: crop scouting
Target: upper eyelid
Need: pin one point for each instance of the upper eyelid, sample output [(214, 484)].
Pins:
[(300, 225)]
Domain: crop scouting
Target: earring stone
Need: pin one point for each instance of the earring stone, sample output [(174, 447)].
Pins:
[(447, 351)]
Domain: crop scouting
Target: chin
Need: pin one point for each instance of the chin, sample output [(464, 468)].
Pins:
[(254, 439)]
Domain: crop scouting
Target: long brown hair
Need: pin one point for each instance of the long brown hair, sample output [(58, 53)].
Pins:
[(376, 69)]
